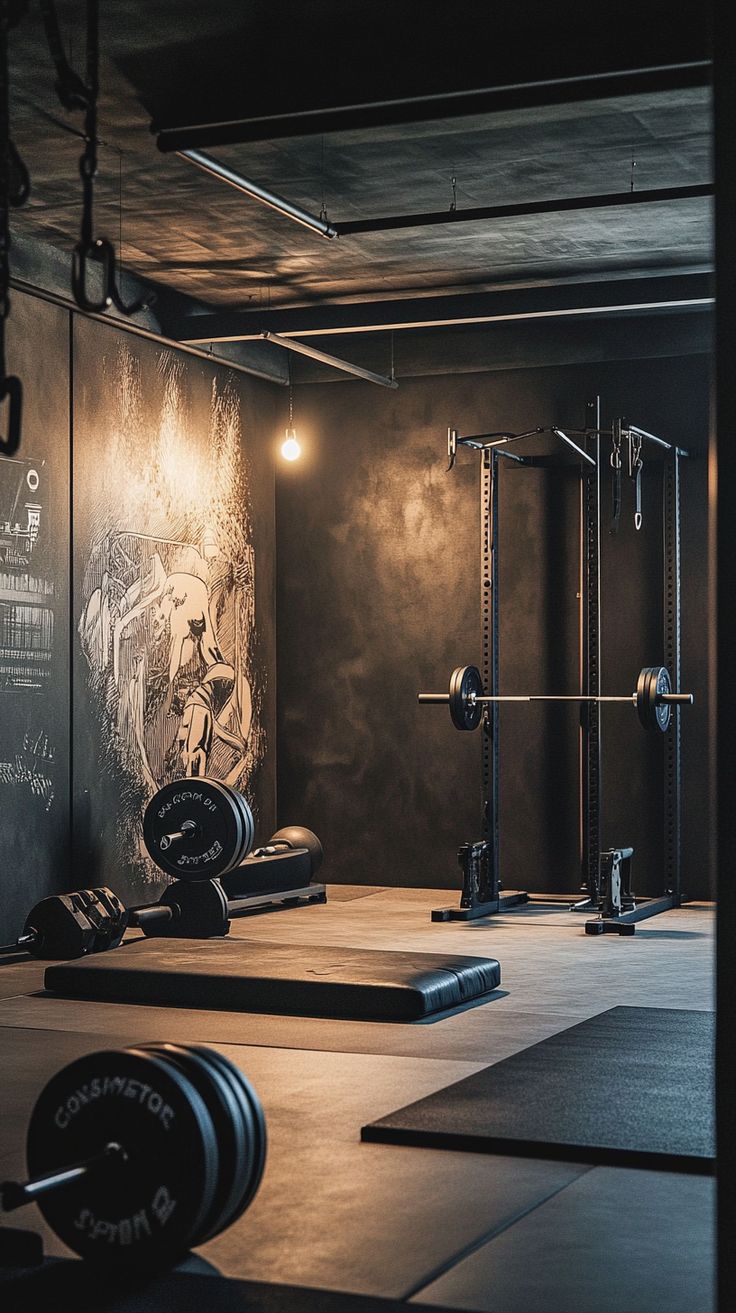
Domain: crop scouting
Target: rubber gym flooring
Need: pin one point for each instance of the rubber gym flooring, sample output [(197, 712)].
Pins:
[(441, 1228)]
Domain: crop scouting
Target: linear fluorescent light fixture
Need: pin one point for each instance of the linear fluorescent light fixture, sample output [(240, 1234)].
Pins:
[(257, 193), (302, 349)]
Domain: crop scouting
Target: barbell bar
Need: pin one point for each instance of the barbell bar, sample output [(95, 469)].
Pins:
[(653, 698)]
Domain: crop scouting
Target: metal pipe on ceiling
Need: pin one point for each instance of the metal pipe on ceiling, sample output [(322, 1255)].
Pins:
[(314, 353), (603, 201), (257, 193)]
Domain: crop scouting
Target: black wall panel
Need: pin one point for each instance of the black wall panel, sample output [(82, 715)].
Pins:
[(34, 600), (378, 588)]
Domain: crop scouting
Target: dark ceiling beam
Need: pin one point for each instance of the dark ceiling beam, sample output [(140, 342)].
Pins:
[(602, 202), (662, 293), (308, 121)]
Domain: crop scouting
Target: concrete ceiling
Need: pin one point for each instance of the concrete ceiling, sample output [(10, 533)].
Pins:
[(196, 235)]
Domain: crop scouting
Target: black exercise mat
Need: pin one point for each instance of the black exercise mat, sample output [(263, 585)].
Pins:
[(68, 1285), (632, 1087), (251, 976)]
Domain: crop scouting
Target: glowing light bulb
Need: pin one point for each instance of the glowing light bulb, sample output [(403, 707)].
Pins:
[(291, 449)]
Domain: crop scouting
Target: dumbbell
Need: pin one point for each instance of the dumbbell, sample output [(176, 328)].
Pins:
[(137, 1155)]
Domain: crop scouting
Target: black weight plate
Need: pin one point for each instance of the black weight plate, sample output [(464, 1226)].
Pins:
[(249, 829), (643, 701), (145, 1214), (201, 911), (653, 714), (217, 840), (662, 711), (224, 1110), (62, 926), (109, 918), (254, 1124), (465, 680)]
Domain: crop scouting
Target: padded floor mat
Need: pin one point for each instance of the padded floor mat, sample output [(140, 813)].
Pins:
[(632, 1087), (253, 976)]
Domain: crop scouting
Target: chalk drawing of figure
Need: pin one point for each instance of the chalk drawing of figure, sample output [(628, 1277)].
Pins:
[(178, 606)]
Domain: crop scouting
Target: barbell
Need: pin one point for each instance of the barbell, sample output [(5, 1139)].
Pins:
[(137, 1155), (72, 925), (653, 698)]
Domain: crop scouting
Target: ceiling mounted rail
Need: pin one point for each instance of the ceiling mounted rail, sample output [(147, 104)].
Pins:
[(680, 291), (258, 193), (604, 201), (314, 353), (311, 119)]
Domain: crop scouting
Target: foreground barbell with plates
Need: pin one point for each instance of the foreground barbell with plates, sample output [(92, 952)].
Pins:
[(653, 698), (137, 1155)]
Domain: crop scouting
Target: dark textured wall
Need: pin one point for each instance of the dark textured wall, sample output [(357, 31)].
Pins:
[(378, 581), (34, 645), (165, 446)]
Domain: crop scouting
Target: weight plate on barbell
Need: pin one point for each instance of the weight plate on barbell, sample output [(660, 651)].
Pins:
[(249, 829), (200, 911), (653, 714), (197, 829), (146, 1212), (642, 696), (227, 1120), (254, 1125), (661, 683), (464, 681)]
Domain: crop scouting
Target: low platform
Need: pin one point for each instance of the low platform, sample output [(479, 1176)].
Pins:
[(255, 976)]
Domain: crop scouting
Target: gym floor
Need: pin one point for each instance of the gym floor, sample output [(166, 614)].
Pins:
[(458, 1230)]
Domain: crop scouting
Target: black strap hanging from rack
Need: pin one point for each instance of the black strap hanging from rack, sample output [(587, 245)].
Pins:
[(76, 94), (616, 477), (14, 189), (636, 466)]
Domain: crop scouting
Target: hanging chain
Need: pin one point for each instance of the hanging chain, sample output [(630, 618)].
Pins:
[(84, 95), (10, 162)]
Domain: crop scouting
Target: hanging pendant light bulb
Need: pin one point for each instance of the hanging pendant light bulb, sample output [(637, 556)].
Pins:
[(291, 449)]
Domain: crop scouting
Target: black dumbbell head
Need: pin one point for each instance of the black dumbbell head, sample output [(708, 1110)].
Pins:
[(296, 836), (69, 925)]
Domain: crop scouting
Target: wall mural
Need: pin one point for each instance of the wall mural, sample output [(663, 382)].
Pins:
[(166, 615)]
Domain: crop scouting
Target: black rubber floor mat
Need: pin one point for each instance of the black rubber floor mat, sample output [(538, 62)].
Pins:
[(632, 1087), (67, 1285), (251, 976)]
